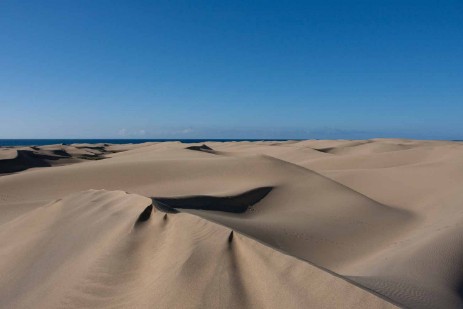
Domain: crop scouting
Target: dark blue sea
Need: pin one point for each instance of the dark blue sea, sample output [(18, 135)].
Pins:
[(39, 142)]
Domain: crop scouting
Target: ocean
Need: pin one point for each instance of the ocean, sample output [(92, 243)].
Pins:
[(39, 142)]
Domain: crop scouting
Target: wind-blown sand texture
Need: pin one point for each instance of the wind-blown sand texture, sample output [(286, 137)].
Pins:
[(297, 224)]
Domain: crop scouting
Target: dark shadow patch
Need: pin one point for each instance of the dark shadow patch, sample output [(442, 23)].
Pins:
[(164, 207), (61, 153), (145, 215), (98, 148), (203, 147), (91, 157), (325, 150), (235, 204), (230, 237), (24, 160)]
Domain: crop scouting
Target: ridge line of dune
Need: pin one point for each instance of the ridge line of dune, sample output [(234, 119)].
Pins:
[(340, 184)]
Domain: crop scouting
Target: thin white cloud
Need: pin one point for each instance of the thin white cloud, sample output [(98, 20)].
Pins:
[(186, 131)]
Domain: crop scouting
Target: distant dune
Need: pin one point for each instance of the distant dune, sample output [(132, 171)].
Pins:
[(297, 224), (16, 159)]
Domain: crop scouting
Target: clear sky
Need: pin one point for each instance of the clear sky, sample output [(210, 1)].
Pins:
[(231, 69)]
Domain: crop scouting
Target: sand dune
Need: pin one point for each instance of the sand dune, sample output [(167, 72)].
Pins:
[(316, 224), (16, 159), (91, 250)]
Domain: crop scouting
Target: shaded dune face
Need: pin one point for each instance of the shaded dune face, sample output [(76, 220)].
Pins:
[(235, 204), (45, 156), (203, 147), (111, 249), (24, 160), (145, 215)]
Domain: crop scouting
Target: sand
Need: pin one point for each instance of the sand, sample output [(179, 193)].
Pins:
[(297, 224)]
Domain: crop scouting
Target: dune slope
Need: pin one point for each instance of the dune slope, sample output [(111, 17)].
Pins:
[(108, 249)]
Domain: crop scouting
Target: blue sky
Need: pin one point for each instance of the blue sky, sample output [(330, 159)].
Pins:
[(231, 69)]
